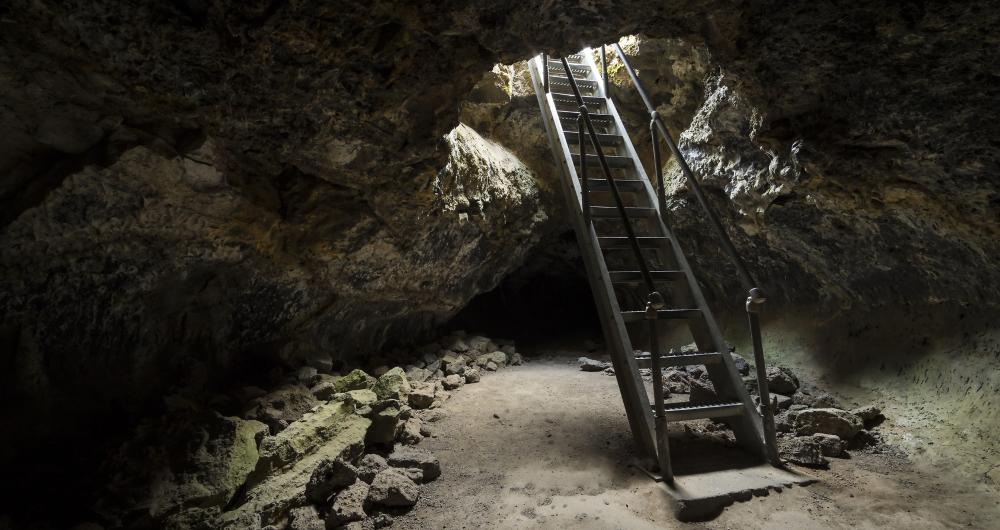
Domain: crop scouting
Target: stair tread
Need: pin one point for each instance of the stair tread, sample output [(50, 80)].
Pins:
[(612, 160), (611, 242), (573, 137), (685, 411), (573, 114), (570, 98), (622, 184), (563, 80), (637, 316), (636, 276), (630, 211), (684, 359)]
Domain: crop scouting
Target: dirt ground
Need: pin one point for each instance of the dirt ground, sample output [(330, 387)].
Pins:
[(545, 445)]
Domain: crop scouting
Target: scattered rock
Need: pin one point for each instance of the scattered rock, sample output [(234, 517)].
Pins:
[(870, 415), (827, 421), (802, 450), (742, 366), (329, 421), (392, 385), (330, 476), (783, 401), (479, 344), (392, 488), (782, 423), (498, 358), (592, 365), (491, 366), (379, 370), (515, 358), (362, 397), (611, 371), (434, 368), (676, 381), (864, 439), (418, 375), (385, 426), (703, 391), (453, 381), (381, 520), (283, 406), (322, 363), (457, 345), (781, 380), (816, 399), (305, 518), (324, 390), (421, 397), (409, 457), (829, 444), (453, 364), (472, 375), (349, 505), (370, 465), (356, 380), (410, 433)]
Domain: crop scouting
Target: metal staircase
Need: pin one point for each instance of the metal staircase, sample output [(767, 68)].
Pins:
[(625, 242)]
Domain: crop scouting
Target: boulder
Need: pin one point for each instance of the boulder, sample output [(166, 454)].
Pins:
[(362, 397), (479, 344), (385, 426), (330, 476), (491, 367), (283, 406), (827, 421), (498, 358), (418, 375), (783, 401), (324, 390), (816, 399), (592, 365), (515, 358), (392, 385), (305, 518), (453, 381), (472, 375), (676, 381), (781, 380), (453, 364), (409, 457), (322, 363), (391, 488), (370, 465), (802, 450), (182, 460), (457, 344), (830, 445), (356, 380), (348, 505), (703, 391), (421, 397)]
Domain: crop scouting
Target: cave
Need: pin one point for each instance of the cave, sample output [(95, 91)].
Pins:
[(305, 265)]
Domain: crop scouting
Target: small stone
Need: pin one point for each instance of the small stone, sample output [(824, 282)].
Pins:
[(802, 450), (370, 465), (515, 358), (781, 380), (385, 426), (816, 399), (611, 371), (676, 381), (422, 397), (783, 401), (782, 423), (429, 358), (410, 433), (453, 381), (472, 375), (392, 488), (382, 520), (453, 364), (491, 366), (362, 397), (498, 358), (329, 476), (829, 444), (479, 344), (356, 380), (349, 505), (305, 518), (433, 416), (591, 365), (703, 391), (409, 457), (457, 345), (827, 421)]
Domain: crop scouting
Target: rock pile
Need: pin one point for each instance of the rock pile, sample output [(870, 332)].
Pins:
[(812, 424), (320, 450)]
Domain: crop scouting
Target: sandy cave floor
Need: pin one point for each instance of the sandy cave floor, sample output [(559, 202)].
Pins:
[(545, 445)]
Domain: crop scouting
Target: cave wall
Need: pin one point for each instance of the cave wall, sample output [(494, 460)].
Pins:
[(188, 184)]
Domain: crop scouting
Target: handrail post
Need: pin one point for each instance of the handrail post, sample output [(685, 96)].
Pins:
[(653, 303), (604, 72), (545, 72), (580, 126), (753, 305)]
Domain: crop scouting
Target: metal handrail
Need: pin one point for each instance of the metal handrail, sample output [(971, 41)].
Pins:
[(755, 296)]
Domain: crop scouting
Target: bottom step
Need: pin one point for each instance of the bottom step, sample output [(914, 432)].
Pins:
[(683, 359), (686, 411)]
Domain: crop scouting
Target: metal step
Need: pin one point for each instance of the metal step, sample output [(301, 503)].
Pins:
[(663, 314), (563, 80), (572, 115), (687, 411), (617, 242), (626, 185), (571, 99), (636, 276), (612, 160), (631, 211), (573, 137), (571, 59), (683, 359), (579, 70)]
